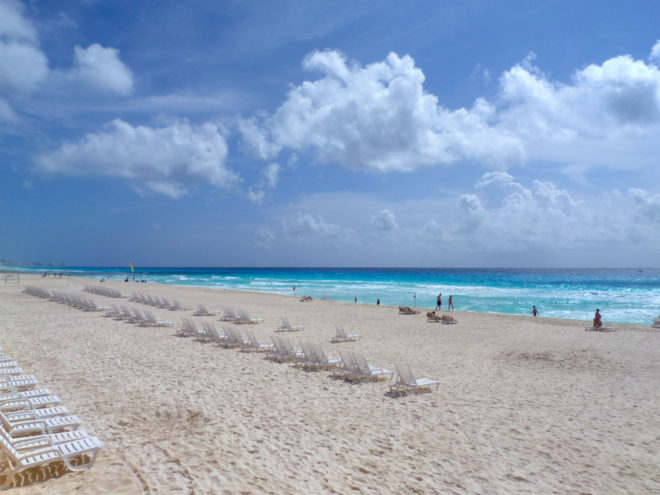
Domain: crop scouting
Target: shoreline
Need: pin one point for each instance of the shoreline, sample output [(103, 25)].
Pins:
[(525, 404)]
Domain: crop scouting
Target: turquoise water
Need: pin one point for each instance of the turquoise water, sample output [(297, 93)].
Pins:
[(623, 295)]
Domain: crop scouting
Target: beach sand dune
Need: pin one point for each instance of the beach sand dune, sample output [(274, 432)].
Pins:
[(526, 405)]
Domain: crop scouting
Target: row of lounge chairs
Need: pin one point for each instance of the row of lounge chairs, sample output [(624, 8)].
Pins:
[(142, 317), (239, 316), (103, 291), (350, 365), (37, 431), (80, 302), (155, 301)]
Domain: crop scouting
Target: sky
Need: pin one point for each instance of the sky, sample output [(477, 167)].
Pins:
[(314, 133)]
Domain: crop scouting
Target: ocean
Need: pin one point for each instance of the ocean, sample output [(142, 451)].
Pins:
[(622, 295)]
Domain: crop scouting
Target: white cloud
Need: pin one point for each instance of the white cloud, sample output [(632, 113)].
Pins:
[(385, 221), (378, 117), (655, 52), (22, 64), (13, 24), (160, 159), (101, 68), (257, 192), (6, 111), (647, 206), (305, 227), (609, 114)]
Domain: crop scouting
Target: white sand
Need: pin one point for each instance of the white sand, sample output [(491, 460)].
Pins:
[(525, 405)]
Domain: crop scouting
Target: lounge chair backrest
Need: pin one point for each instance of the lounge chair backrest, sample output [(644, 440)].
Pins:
[(405, 374), (347, 360)]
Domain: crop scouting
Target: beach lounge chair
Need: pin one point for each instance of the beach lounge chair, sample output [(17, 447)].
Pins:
[(13, 462), (656, 322), (203, 311), (210, 334), (39, 427), (234, 337), (151, 321), (288, 327), (38, 442), (10, 371), (342, 336), (17, 383), (407, 310), (243, 317), (322, 359), (27, 394), (348, 369), (367, 372), (44, 401), (229, 315), (292, 353), (255, 345), (406, 381)]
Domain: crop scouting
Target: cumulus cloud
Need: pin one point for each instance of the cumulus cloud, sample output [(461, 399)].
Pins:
[(101, 68), (508, 215), (304, 225), (162, 160), (647, 206), (655, 52), (378, 117), (23, 66), (269, 179), (385, 220), (605, 112)]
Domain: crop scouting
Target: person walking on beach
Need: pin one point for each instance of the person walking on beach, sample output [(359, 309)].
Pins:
[(377, 302), (438, 300), (450, 304), (534, 311)]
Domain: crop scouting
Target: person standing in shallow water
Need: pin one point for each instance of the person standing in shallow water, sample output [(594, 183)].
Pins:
[(438, 301), (534, 311), (450, 304)]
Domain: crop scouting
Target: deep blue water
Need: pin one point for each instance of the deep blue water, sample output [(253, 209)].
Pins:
[(622, 295)]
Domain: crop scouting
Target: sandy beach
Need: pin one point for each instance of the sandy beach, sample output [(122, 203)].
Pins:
[(525, 405)]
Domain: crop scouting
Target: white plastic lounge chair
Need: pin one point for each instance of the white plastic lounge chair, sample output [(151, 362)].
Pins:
[(10, 371), (308, 358), (203, 311), (8, 364), (348, 368), (38, 442), (150, 320), (288, 327), (176, 306), (42, 426), (656, 322), (254, 344), (234, 337), (366, 372), (278, 352), (229, 315), (342, 336), (243, 317), (406, 381), (322, 359), (17, 383), (14, 462), (28, 394), (292, 353), (44, 401)]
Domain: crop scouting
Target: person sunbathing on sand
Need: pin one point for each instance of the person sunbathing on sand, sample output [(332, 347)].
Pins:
[(433, 317)]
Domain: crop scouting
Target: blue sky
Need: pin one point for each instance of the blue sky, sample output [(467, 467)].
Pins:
[(361, 133)]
